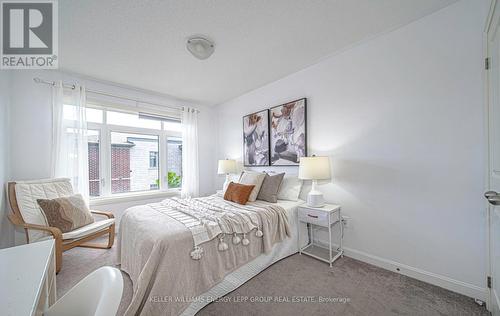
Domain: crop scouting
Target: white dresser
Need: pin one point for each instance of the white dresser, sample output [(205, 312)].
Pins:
[(27, 279)]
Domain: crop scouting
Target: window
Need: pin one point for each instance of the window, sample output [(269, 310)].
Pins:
[(128, 153), (93, 115), (153, 159)]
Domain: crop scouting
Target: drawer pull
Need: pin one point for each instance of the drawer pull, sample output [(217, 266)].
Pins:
[(313, 216)]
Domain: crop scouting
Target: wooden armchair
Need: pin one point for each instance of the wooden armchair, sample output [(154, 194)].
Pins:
[(36, 227)]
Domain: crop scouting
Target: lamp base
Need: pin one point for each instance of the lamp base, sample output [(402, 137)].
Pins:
[(315, 199), (226, 183)]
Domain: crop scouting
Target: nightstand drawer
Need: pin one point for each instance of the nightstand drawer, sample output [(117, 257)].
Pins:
[(315, 217)]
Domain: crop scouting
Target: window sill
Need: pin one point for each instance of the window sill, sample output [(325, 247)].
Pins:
[(130, 197)]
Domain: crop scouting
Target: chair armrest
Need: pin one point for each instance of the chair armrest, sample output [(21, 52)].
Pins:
[(56, 232), (107, 214)]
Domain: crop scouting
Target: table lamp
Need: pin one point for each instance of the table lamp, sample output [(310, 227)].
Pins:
[(314, 168), (226, 167)]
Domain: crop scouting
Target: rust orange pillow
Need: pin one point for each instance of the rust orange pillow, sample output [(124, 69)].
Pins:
[(238, 193)]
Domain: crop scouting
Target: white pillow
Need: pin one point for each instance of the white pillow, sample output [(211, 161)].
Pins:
[(290, 188), (253, 178)]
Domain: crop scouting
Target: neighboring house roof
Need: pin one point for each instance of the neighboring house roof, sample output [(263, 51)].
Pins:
[(114, 144), (141, 139), (123, 145)]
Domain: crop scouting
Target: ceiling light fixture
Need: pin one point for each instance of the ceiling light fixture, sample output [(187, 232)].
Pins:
[(200, 47)]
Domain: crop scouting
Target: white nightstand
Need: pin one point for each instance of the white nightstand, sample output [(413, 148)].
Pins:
[(326, 216)]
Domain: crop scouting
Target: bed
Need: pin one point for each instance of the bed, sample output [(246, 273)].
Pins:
[(161, 253)]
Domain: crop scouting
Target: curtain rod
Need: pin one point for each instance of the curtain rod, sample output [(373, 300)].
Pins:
[(72, 86)]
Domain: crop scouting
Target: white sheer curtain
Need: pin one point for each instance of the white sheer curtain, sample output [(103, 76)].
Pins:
[(190, 168), (69, 142)]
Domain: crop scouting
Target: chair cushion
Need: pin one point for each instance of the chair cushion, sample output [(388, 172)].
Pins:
[(88, 229), (27, 192), (66, 213)]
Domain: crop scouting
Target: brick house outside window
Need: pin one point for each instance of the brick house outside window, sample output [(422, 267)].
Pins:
[(120, 169)]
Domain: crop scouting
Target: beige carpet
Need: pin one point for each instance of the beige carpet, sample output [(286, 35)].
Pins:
[(351, 287)]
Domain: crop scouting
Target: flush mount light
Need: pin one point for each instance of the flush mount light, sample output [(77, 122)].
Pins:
[(200, 47)]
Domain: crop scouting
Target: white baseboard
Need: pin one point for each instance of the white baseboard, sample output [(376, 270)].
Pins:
[(457, 286), (495, 309)]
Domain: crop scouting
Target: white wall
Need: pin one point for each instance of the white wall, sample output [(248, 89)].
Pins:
[(401, 117), (31, 135), (6, 229)]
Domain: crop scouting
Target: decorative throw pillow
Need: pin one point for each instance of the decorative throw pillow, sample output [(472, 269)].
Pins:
[(66, 213), (255, 179), (270, 186), (238, 193), (290, 188)]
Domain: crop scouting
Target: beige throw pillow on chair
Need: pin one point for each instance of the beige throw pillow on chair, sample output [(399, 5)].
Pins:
[(66, 213)]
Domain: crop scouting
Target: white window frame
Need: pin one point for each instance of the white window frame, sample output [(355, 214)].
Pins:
[(105, 131)]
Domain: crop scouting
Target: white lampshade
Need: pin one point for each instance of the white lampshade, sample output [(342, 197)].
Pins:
[(226, 166), (314, 168)]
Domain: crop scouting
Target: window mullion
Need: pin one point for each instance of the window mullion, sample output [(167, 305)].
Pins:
[(106, 161), (163, 161)]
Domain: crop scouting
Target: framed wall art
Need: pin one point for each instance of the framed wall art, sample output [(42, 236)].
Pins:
[(288, 133), (256, 139)]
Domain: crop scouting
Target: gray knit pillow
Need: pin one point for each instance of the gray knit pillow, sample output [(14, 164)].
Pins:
[(270, 186)]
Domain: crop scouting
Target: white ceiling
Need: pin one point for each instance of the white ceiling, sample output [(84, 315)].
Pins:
[(142, 43)]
